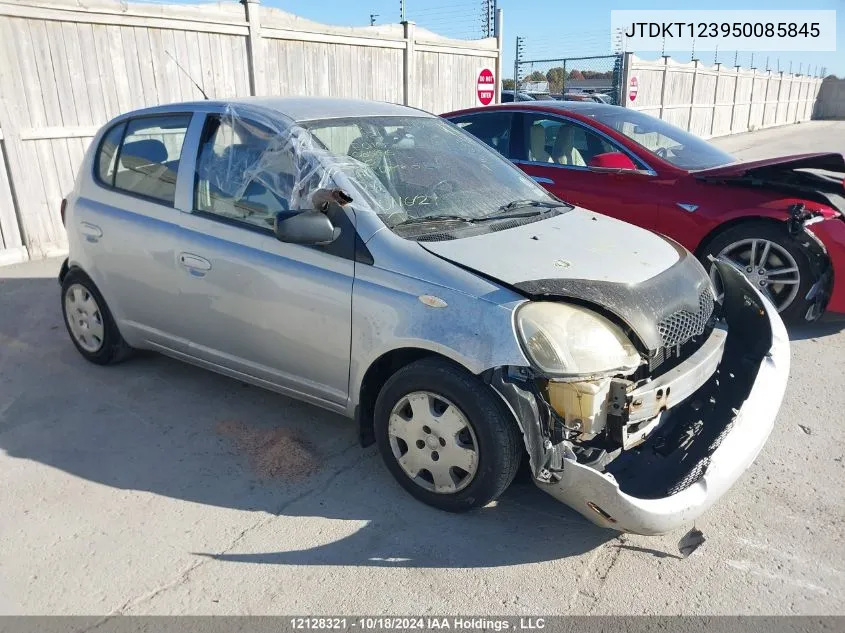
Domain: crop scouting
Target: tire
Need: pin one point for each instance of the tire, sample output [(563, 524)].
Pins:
[(790, 299), (95, 334), (490, 432)]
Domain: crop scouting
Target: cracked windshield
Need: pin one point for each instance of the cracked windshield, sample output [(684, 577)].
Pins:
[(420, 171)]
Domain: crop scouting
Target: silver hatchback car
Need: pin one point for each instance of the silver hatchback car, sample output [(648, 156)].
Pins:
[(381, 263)]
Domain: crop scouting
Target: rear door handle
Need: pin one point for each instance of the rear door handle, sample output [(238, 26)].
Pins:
[(195, 264), (92, 232), (542, 180)]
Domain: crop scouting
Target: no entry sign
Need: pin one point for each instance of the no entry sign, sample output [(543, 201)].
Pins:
[(633, 88), (486, 86)]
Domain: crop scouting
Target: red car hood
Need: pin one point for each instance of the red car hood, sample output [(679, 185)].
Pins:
[(828, 162)]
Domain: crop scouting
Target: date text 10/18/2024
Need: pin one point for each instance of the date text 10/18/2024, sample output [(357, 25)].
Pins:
[(420, 623)]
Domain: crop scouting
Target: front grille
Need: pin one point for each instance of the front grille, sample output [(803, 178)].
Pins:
[(678, 328)]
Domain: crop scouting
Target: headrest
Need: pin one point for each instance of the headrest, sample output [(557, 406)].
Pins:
[(151, 150)]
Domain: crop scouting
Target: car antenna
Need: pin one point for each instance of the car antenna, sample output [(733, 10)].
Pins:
[(188, 75)]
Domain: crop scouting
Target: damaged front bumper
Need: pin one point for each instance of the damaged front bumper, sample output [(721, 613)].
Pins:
[(717, 423)]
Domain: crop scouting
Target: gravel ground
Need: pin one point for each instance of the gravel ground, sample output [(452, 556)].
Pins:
[(153, 487)]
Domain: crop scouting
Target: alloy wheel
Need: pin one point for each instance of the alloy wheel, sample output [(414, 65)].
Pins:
[(767, 265), (433, 442)]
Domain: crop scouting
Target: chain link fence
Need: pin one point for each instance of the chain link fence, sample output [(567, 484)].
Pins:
[(572, 78)]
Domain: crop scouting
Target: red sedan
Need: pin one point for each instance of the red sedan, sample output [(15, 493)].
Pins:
[(780, 220)]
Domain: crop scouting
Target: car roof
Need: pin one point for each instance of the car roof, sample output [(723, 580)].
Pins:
[(584, 108), (298, 109)]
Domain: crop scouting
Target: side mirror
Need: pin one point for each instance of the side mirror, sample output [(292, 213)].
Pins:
[(307, 227), (612, 160)]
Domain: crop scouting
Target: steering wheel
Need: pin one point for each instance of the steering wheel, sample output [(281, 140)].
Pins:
[(662, 152)]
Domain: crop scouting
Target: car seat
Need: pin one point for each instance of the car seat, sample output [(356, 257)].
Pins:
[(143, 169), (537, 148), (565, 152)]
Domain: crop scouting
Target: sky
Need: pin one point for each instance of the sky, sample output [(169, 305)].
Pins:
[(565, 28)]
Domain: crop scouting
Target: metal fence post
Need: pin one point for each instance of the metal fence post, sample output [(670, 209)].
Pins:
[(498, 27), (408, 63), (255, 48), (626, 78), (563, 81)]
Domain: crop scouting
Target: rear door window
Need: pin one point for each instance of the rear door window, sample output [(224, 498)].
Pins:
[(147, 161)]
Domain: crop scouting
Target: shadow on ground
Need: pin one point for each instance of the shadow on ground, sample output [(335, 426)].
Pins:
[(827, 325), (153, 424)]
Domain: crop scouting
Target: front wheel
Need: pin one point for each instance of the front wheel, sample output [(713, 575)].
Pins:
[(445, 436), (772, 261)]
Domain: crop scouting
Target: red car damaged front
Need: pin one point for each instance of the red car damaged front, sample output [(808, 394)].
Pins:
[(815, 217)]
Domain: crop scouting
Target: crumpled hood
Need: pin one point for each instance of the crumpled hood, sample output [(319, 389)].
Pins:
[(768, 166), (578, 244), (644, 279)]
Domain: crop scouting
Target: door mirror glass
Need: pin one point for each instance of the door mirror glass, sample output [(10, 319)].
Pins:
[(612, 160), (305, 227)]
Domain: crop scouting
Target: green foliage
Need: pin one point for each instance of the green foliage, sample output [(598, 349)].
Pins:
[(555, 78)]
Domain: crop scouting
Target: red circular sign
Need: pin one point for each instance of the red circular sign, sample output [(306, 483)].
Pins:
[(632, 88), (486, 86)]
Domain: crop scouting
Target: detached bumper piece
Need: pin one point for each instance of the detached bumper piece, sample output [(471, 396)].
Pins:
[(702, 424)]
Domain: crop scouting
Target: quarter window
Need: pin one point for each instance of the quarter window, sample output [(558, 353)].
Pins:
[(107, 157), (245, 172), (147, 162)]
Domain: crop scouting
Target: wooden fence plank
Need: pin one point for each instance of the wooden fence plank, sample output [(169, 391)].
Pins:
[(108, 85), (194, 67), (73, 52), (118, 63), (207, 65), (64, 82), (133, 68), (145, 66)]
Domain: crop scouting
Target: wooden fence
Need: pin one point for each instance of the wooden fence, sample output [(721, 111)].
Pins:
[(66, 69), (717, 100)]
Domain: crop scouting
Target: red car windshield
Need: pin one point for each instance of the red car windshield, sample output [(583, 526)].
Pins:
[(663, 139)]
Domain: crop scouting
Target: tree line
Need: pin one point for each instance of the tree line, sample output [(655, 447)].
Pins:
[(555, 76)]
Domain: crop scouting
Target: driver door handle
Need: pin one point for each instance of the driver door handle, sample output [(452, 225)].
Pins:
[(195, 264), (543, 180)]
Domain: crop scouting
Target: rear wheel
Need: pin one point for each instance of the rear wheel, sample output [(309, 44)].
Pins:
[(772, 260), (89, 321), (445, 436)]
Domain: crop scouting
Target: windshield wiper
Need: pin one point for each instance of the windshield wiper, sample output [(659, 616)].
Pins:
[(539, 206), (434, 218)]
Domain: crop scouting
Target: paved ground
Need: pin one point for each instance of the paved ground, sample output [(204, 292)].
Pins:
[(129, 489)]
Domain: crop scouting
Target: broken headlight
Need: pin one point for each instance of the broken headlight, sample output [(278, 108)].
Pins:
[(568, 340)]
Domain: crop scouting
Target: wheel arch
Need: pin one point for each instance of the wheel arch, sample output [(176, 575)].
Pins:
[(379, 371), (708, 239)]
